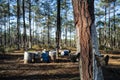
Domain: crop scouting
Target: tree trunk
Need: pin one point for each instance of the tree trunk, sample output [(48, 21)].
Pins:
[(97, 71), (5, 34), (105, 26), (109, 21), (100, 35), (24, 33), (18, 24), (109, 26), (66, 25), (30, 39), (48, 26), (70, 37), (9, 39), (1, 32), (114, 28), (0, 35), (65, 35), (86, 39), (33, 33), (58, 32)]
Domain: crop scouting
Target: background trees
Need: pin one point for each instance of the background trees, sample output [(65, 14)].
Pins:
[(40, 23), (26, 24), (106, 19)]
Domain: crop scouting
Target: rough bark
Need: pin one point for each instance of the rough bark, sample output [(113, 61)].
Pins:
[(86, 39), (83, 21)]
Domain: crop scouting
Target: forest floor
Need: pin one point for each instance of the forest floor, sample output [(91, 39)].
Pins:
[(112, 71), (13, 68)]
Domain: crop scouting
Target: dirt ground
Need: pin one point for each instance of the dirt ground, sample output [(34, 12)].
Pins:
[(12, 68), (112, 71)]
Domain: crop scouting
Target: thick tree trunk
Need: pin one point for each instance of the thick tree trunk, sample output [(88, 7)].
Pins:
[(83, 21), (86, 39)]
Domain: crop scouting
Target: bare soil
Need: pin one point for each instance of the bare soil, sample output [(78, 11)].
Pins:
[(112, 71), (13, 68)]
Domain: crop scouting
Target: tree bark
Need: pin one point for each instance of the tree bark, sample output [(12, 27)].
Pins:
[(86, 39)]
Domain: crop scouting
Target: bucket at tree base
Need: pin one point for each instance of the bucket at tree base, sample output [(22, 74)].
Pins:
[(28, 57)]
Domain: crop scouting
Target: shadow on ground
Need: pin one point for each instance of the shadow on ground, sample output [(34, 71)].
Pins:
[(41, 77)]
